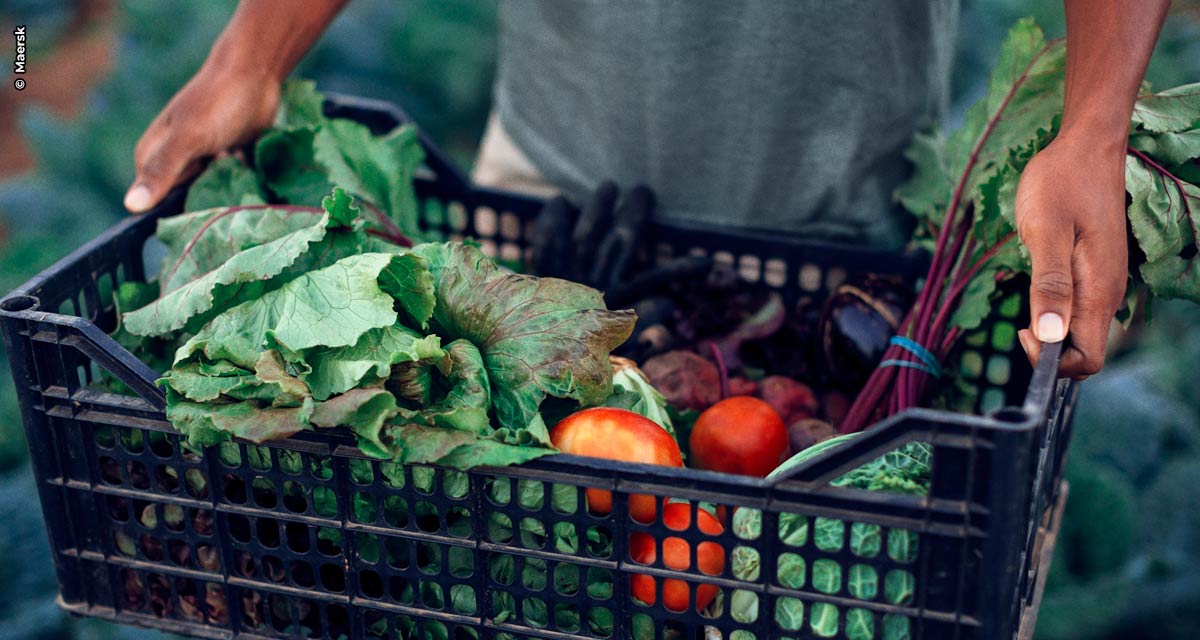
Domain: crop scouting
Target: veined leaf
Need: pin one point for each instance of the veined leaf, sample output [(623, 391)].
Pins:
[(300, 105), (227, 181), (1172, 110), (330, 307), (465, 405), (975, 305), (1171, 148), (236, 254), (538, 336), (368, 361)]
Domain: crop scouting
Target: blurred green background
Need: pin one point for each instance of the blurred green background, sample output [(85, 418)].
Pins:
[(1128, 562)]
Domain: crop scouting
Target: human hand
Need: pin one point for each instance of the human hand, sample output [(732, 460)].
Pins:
[(218, 109), (1071, 215)]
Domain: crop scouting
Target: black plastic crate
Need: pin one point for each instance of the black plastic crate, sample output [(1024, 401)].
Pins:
[(308, 538)]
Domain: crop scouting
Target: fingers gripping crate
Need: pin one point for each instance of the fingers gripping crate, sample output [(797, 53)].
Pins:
[(307, 538)]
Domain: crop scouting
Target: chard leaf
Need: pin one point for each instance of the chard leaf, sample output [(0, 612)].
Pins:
[(976, 303), (538, 336), (1173, 110), (1024, 97), (368, 361), (1173, 148), (1154, 212), (330, 307), (1163, 221), (226, 181), (927, 191), (245, 274), (221, 257), (378, 168), (307, 154), (299, 105), (284, 159)]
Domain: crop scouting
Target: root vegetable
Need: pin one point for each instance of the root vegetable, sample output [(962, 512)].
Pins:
[(686, 380), (791, 399), (803, 434)]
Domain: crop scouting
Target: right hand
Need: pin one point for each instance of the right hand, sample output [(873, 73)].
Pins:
[(217, 110)]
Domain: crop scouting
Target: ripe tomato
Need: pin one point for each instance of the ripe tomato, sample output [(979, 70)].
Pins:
[(617, 434), (741, 435), (710, 557)]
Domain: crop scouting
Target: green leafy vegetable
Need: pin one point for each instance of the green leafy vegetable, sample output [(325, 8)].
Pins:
[(370, 360), (226, 181), (538, 336), (307, 154), (632, 391)]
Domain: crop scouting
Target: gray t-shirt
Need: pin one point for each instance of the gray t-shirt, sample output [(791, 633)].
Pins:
[(778, 115)]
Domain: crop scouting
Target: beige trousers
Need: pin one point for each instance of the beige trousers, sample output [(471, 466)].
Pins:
[(501, 165)]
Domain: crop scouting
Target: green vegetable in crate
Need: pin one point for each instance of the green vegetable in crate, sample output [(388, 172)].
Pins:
[(305, 154), (320, 350), (300, 347), (292, 316)]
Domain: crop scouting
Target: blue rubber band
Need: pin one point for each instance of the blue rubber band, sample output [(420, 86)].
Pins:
[(928, 363)]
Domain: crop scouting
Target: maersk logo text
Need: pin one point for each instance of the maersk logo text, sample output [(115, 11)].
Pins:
[(19, 58)]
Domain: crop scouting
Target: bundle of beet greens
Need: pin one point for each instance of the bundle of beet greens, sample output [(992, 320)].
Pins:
[(962, 194)]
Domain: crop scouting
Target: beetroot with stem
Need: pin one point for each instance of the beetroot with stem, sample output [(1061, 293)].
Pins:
[(1028, 76)]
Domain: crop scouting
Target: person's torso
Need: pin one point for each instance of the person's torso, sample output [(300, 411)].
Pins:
[(763, 114)]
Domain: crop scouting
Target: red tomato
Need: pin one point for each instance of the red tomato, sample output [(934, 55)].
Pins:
[(742, 435), (617, 434), (710, 557)]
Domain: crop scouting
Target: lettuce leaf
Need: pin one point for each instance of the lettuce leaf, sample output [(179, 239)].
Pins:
[(538, 336), (368, 361), (330, 307)]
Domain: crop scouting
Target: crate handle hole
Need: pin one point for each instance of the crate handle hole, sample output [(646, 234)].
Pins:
[(20, 303)]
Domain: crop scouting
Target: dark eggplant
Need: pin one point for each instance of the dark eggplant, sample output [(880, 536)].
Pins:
[(857, 323)]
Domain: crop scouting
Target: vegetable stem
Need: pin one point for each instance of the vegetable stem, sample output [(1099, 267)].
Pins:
[(394, 233), (945, 281)]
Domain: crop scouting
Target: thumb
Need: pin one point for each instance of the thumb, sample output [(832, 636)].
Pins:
[(162, 167), (1051, 284)]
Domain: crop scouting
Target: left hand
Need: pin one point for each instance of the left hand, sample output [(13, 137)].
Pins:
[(1071, 215)]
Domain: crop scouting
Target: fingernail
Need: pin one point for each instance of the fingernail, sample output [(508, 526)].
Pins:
[(1050, 328), (138, 199)]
